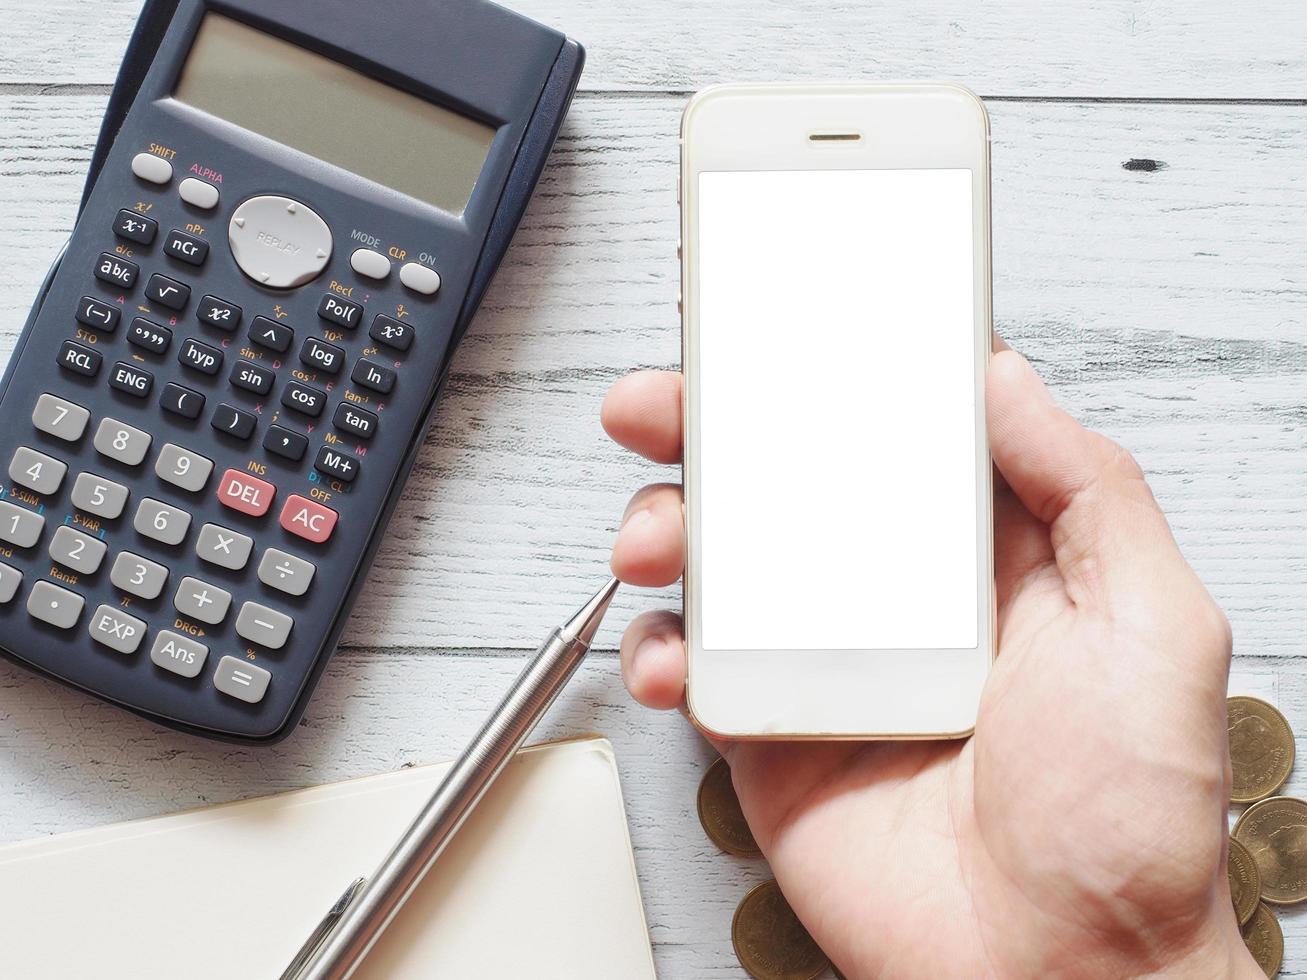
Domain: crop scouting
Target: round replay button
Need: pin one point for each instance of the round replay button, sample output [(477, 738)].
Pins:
[(279, 242)]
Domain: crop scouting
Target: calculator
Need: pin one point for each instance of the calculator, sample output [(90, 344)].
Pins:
[(292, 212)]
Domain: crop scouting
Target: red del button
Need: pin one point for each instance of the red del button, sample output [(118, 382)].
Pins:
[(244, 493), (309, 520)]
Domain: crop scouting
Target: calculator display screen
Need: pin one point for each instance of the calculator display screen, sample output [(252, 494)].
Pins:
[(838, 471), (322, 108)]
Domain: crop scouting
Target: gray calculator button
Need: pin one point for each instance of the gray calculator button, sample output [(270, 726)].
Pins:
[(36, 471), (19, 526), (116, 630), (368, 263), (121, 442), (264, 626), (183, 468), (286, 572), (10, 579), (137, 575), (154, 169), (53, 605), (98, 496), (202, 601), (420, 279), (179, 654), (241, 679), (76, 550), (199, 193), (223, 547), (162, 523), (278, 242), (60, 418)]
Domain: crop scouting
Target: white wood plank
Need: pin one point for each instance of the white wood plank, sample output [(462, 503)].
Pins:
[(1107, 48), (1194, 361), (69, 762)]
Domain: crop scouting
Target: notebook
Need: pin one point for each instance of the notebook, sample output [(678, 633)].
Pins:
[(540, 882)]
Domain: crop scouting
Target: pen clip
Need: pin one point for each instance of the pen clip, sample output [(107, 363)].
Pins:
[(320, 934)]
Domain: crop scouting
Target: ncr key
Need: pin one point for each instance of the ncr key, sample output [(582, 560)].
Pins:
[(186, 248)]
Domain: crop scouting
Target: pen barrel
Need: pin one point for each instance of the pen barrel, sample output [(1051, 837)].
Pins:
[(454, 799)]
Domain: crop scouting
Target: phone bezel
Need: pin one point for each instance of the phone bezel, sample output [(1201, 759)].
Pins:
[(833, 694)]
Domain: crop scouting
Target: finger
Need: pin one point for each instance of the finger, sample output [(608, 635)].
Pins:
[(653, 660), (997, 343), (1106, 529), (1022, 548), (643, 413), (650, 546)]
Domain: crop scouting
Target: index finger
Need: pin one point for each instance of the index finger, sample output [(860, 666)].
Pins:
[(643, 413)]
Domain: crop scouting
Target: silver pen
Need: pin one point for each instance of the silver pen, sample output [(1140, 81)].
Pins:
[(361, 914)]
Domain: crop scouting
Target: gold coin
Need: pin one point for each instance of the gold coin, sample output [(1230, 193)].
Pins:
[(1261, 748), (770, 941), (720, 814), (1245, 882), (1264, 939), (1275, 833)]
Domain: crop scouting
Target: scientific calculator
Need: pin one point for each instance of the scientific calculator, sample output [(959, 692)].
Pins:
[(292, 213)]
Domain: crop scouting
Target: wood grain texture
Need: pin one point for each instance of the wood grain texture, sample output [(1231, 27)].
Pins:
[(1167, 307), (1106, 49)]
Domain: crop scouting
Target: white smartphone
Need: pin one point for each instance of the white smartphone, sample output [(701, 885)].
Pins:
[(836, 322)]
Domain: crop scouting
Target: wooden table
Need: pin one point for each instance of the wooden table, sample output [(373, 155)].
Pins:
[(1165, 300)]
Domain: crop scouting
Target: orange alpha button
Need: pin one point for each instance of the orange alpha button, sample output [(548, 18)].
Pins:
[(308, 519), (244, 493)]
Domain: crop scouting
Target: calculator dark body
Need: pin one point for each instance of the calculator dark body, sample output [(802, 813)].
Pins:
[(469, 55)]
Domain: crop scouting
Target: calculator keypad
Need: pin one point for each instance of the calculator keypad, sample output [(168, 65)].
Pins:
[(54, 605), (131, 380), (224, 547), (116, 630), (179, 654), (268, 401), (77, 550), (98, 496), (36, 471), (18, 526), (139, 576), (183, 468), (122, 442), (156, 520), (60, 418), (202, 601)]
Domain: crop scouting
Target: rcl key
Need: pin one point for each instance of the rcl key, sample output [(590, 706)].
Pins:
[(79, 359)]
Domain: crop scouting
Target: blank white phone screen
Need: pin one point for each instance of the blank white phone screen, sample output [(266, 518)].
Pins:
[(837, 410)]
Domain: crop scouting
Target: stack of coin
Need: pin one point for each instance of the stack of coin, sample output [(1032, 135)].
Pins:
[(1268, 850), (770, 941)]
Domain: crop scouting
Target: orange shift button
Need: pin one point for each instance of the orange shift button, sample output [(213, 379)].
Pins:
[(308, 519), (244, 493)]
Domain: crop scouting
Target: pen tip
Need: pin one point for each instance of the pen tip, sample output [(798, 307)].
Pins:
[(585, 623)]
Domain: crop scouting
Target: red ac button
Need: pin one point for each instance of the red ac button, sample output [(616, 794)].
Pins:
[(309, 520)]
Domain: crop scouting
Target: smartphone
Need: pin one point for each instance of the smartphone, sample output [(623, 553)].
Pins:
[(836, 332)]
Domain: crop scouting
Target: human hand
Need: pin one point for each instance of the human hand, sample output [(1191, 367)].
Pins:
[(1081, 831)]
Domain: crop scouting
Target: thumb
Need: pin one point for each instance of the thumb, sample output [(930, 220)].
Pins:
[(1109, 537)]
